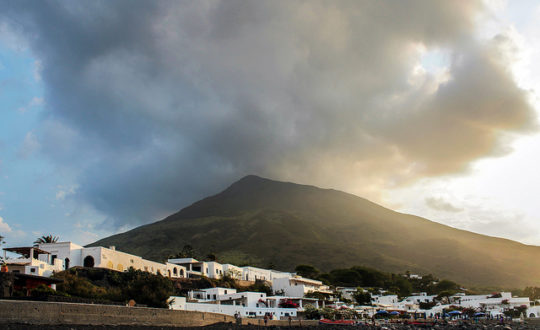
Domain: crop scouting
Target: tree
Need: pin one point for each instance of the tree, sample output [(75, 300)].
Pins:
[(446, 285), (46, 239), (311, 313), (346, 277), (146, 288), (259, 286), (1, 243), (532, 292), (362, 298), (444, 296), (307, 271), (187, 252)]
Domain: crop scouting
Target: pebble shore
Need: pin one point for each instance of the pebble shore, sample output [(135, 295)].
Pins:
[(225, 326)]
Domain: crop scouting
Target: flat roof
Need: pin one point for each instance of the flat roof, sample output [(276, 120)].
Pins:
[(305, 280), (25, 250), (291, 298), (183, 260)]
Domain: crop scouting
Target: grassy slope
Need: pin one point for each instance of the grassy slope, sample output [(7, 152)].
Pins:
[(261, 221)]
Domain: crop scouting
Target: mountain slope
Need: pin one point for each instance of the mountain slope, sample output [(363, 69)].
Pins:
[(261, 221)]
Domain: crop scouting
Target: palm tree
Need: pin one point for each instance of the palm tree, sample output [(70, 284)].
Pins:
[(46, 239)]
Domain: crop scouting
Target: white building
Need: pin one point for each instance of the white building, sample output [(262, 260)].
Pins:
[(533, 311), (33, 261), (423, 297), (384, 301), (347, 293), (229, 301), (232, 271), (209, 294), (215, 269), (274, 274), (64, 255), (180, 303), (253, 274), (495, 305), (298, 286), (194, 267)]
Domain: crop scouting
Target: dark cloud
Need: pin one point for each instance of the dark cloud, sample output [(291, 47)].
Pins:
[(156, 104)]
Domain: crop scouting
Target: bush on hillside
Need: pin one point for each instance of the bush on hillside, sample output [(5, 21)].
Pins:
[(143, 287)]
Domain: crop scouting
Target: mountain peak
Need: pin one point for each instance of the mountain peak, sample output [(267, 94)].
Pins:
[(251, 179), (258, 220)]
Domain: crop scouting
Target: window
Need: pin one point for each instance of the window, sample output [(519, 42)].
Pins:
[(225, 291), (131, 260), (32, 270)]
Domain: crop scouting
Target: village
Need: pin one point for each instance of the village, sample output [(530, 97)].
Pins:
[(293, 296)]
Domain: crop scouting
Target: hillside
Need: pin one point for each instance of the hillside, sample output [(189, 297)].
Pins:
[(260, 221)]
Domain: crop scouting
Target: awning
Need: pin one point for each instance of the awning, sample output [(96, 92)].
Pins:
[(25, 251)]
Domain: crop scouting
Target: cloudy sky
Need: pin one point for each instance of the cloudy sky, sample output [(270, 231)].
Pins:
[(117, 113)]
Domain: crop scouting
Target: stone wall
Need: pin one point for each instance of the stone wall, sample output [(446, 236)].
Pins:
[(51, 313)]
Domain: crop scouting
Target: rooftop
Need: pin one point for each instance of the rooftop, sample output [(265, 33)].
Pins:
[(26, 250)]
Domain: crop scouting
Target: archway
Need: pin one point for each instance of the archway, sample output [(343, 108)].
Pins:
[(66, 263), (175, 272), (88, 261), (182, 272), (169, 271)]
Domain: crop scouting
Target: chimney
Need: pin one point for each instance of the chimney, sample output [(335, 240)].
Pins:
[(112, 247)]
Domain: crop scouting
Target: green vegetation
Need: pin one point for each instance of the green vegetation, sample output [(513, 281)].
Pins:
[(516, 312), (532, 292), (43, 291), (46, 239), (307, 271), (312, 313), (362, 298), (143, 287), (365, 277), (256, 219)]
